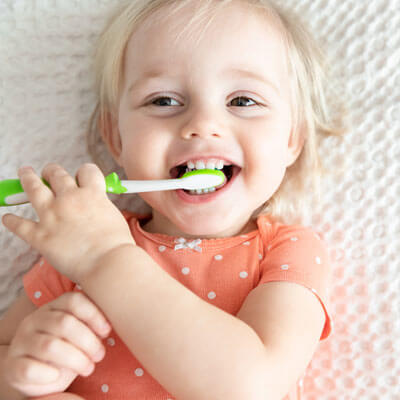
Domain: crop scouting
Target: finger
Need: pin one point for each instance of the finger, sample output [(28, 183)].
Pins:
[(78, 304), (38, 193), (90, 175), (57, 352), (21, 370), (59, 179), (68, 327), (25, 229)]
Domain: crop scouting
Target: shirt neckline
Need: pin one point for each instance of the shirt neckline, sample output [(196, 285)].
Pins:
[(171, 241)]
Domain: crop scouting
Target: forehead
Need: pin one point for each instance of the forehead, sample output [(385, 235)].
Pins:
[(183, 38)]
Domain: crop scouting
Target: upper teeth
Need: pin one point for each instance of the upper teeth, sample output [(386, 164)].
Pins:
[(201, 164), (209, 164)]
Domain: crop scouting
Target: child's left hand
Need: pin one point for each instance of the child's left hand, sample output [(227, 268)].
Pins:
[(77, 224)]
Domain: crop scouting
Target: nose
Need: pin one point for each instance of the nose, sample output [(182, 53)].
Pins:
[(202, 124)]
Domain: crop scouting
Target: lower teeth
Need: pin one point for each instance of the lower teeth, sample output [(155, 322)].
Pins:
[(201, 191)]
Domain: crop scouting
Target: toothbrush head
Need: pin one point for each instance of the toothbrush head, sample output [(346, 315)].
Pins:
[(203, 179)]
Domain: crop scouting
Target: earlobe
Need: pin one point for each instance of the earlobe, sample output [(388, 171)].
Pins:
[(110, 135), (295, 146)]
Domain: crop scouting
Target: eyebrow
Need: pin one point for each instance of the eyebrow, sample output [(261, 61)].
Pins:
[(251, 75), (152, 74)]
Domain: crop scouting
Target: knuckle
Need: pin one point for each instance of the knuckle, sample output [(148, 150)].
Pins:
[(23, 370), (22, 228), (81, 301), (65, 321), (34, 187), (75, 299), (92, 314), (48, 344)]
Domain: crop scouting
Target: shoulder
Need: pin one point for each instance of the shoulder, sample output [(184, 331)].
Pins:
[(277, 237)]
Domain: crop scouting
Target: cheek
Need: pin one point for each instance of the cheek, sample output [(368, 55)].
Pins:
[(265, 162), (143, 155)]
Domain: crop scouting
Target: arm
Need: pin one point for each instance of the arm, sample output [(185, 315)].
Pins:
[(189, 346)]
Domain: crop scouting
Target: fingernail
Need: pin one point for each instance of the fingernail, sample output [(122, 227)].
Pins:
[(105, 329), (99, 355), (25, 169), (89, 370)]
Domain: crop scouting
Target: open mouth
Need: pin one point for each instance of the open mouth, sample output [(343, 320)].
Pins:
[(228, 170)]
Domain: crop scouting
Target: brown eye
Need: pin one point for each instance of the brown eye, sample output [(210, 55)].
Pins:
[(242, 101)]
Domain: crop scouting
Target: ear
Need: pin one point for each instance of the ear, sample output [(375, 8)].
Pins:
[(110, 134), (295, 146)]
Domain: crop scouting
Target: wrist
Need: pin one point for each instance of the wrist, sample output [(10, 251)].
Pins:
[(108, 259)]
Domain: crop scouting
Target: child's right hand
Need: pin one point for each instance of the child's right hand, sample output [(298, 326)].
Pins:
[(54, 344)]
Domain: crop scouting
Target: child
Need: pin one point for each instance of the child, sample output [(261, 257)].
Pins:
[(209, 296)]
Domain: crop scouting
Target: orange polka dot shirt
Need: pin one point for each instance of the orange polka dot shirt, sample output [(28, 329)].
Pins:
[(221, 271)]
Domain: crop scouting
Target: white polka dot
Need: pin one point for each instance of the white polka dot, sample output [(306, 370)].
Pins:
[(211, 295), (38, 294), (285, 267), (246, 244), (111, 341), (161, 249), (218, 257), (104, 388), (301, 383), (260, 256), (139, 372), (41, 263), (185, 270), (79, 287), (243, 236), (268, 223), (294, 238), (313, 290), (269, 248), (317, 260), (243, 274)]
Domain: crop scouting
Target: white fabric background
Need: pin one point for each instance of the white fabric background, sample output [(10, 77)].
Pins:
[(45, 101)]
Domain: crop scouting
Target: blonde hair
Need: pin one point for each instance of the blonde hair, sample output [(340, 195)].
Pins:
[(319, 111)]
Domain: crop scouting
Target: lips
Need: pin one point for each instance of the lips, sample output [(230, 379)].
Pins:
[(186, 197)]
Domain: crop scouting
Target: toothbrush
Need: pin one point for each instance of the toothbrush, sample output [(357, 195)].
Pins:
[(12, 193)]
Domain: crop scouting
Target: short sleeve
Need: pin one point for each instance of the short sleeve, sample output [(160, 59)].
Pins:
[(297, 254), (43, 283)]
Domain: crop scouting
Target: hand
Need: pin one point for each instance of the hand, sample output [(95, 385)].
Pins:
[(58, 396), (54, 344), (77, 224)]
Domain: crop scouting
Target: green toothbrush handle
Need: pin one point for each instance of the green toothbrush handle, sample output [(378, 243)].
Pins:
[(12, 192)]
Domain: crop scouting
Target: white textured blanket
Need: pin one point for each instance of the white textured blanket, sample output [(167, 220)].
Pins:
[(46, 99)]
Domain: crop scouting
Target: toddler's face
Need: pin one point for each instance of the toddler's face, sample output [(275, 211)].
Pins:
[(207, 108)]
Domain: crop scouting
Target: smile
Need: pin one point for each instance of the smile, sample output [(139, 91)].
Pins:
[(228, 169), (205, 195)]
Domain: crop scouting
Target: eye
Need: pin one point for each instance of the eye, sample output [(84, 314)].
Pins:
[(163, 101), (242, 100)]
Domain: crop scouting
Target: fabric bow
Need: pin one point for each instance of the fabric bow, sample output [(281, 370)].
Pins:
[(184, 244)]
